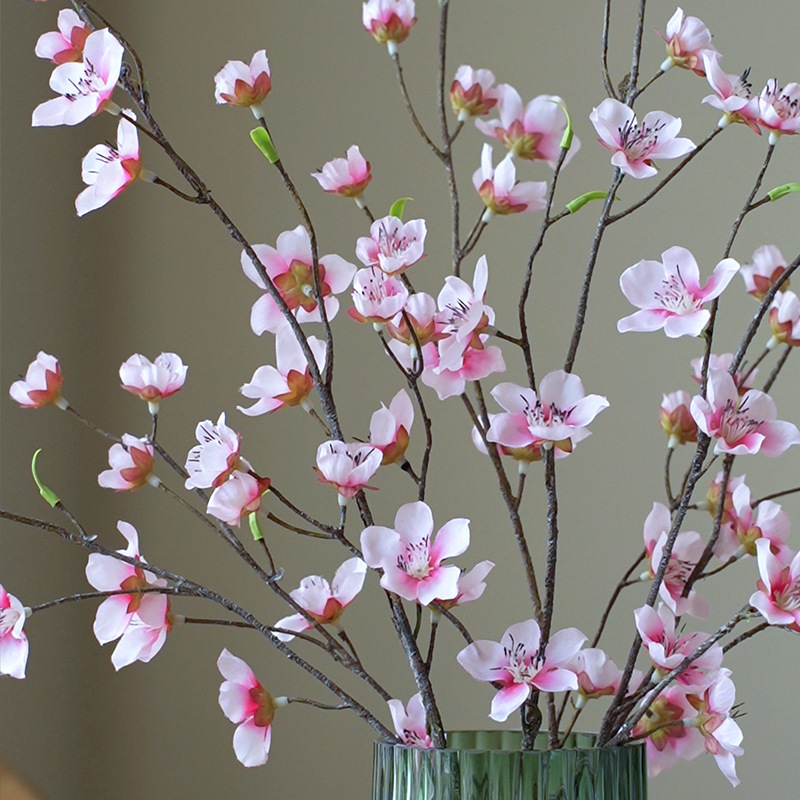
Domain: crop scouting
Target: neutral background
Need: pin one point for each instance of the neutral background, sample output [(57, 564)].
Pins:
[(150, 273)]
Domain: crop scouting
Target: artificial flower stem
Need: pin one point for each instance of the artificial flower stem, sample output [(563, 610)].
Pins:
[(410, 108), (778, 367), (70, 409)]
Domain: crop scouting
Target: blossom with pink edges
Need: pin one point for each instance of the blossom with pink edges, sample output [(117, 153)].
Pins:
[(289, 266), (141, 621), (778, 595), (779, 109), (518, 666), (420, 310), (377, 297), (392, 245), (131, 465), (245, 85), (668, 650), (389, 428), (743, 380), (41, 385), (389, 21), (153, 380), (676, 419), (236, 497), (784, 320), (532, 132), (217, 454), (410, 723), (84, 87), (474, 364), (500, 191), (13, 639), (65, 44), (667, 740), (472, 92), (598, 675), (289, 383), (688, 40), (559, 413), (743, 424), (347, 177), (768, 265), (669, 293), (686, 552), (722, 736), (107, 171), (324, 602), (347, 467), (246, 703), (470, 586), (733, 94), (711, 503), (411, 557), (635, 145)]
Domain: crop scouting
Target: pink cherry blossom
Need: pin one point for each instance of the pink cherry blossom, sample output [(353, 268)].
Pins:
[(669, 741), (732, 94), (784, 320), (688, 39), (669, 293), (65, 44), (743, 379), (85, 87), (131, 465), (389, 21), (245, 702), (470, 585), (743, 424), (517, 665), (211, 462), (13, 639), (392, 244), (237, 496), (410, 723), (411, 559), (347, 177), (245, 85), (347, 467), (779, 109), (778, 595), (532, 132), (153, 380), (560, 413), (500, 191), (635, 145), (139, 620), (686, 552), (472, 93), (325, 602), (598, 675), (676, 419), (420, 311), (768, 265), (714, 720), (668, 650), (289, 383), (289, 266), (711, 503), (377, 297), (42, 384), (475, 364), (108, 171), (389, 428)]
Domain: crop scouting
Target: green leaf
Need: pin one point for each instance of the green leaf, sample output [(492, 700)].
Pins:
[(262, 141), (579, 202), (255, 529), (566, 139), (48, 494), (782, 191), (398, 207)]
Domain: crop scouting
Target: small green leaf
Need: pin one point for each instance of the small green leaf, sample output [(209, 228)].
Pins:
[(579, 202), (398, 207), (255, 529), (48, 494), (262, 141), (566, 139), (781, 191)]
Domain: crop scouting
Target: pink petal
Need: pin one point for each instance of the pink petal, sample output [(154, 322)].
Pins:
[(510, 698)]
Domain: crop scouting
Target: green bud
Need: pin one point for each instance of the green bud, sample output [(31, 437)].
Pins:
[(781, 191), (48, 494), (579, 202), (255, 529), (262, 141)]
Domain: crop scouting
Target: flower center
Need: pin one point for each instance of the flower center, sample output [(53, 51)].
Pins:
[(736, 423), (788, 598), (8, 619), (393, 244), (638, 140), (675, 297), (520, 662), (415, 561), (545, 414)]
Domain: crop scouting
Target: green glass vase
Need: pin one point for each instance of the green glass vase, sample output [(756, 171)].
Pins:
[(488, 765)]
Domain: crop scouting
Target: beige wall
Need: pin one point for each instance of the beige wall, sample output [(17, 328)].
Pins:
[(149, 273)]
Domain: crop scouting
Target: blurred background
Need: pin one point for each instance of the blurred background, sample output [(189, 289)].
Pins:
[(150, 273)]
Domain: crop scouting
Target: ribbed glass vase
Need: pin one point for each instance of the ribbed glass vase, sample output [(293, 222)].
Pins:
[(488, 765)]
